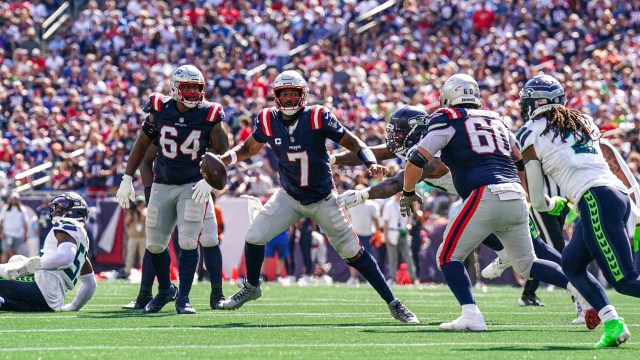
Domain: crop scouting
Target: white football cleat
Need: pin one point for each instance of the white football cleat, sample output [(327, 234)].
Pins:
[(305, 281), (248, 293), (470, 322), (496, 268), (16, 269), (401, 313)]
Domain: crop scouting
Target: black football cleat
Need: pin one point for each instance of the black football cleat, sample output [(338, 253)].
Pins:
[(161, 299), (183, 306), (215, 299), (139, 303), (530, 300)]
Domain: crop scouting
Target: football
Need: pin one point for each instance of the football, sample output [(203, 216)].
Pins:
[(213, 171)]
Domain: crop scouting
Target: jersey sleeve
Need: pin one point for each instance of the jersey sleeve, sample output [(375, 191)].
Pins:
[(215, 113), (331, 127), (262, 126), (525, 137), (155, 103)]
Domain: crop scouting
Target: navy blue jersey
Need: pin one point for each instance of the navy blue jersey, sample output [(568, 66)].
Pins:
[(304, 169), (182, 138), (479, 153)]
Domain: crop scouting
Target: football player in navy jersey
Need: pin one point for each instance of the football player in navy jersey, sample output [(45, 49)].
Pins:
[(297, 134), (208, 241), (182, 126), (477, 148)]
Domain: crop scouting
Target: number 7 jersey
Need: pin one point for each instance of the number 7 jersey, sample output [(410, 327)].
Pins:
[(478, 152)]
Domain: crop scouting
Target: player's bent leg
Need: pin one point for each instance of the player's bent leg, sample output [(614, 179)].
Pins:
[(279, 213), (500, 263), (22, 294)]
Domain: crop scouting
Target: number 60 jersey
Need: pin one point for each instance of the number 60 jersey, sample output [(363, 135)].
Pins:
[(182, 138), (54, 284), (476, 146)]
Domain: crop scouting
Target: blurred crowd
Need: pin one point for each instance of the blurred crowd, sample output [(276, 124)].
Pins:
[(84, 88)]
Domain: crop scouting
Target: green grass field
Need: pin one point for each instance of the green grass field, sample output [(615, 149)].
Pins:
[(335, 322)]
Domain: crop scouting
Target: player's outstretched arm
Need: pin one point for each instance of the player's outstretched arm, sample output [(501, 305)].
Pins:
[(242, 151), (219, 139), (350, 158), (87, 288), (364, 154), (619, 168)]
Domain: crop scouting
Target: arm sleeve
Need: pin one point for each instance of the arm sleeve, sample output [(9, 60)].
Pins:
[(436, 140), (535, 183), (61, 259), (85, 292), (331, 127)]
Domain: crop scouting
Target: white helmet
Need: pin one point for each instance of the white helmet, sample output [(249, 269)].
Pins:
[(187, 74), (290, 79), (460, 89)]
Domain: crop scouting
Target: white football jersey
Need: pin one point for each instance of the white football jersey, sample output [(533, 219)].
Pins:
[(54, 284), (575, 168)]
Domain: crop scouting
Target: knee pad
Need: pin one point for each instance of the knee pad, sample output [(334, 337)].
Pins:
[(209, 240), (17, 258), (523, 266), (187, 242), (254, 237), (155, 248)]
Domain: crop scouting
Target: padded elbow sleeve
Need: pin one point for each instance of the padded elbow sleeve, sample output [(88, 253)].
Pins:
[(417, 159)]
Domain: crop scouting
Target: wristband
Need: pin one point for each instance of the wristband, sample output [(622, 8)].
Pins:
[(366, 156), (233, 156), (406, 193)]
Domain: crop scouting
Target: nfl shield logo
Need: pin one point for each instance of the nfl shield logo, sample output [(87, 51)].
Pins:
[(181, 120)]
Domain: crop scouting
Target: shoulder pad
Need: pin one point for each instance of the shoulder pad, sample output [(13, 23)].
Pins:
[(65, 225), (450, 113), (439, 119), (214, 112), (316, 116), (523, 134), (264, 120), (156, 100)]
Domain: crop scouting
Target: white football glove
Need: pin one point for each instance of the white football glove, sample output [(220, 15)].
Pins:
[(126, 193), (352, 198), (201, 192), (332, 159)]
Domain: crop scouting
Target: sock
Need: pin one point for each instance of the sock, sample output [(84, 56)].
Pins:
[(530, 287), (578, 297), (213, 262), (549, 272), (254, 256), (458, 281), (187, 264), (148, 275), (502, 255), (161, 266), (607, 313), (470, 309), (1, 301), (493, 243), (368, 267)]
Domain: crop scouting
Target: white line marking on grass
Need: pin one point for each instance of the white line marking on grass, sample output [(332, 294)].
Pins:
[(259, 346), (286, 327)]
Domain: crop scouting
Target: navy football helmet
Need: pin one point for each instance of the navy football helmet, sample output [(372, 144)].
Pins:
[(69, 205), (405, 128), (539, 95)]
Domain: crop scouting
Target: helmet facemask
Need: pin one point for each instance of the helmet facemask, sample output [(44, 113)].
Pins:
[(187, 93), (290, 104)]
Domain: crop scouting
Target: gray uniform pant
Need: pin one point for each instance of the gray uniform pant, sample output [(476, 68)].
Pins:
[(171, 205), (282, 211), (483, 213)]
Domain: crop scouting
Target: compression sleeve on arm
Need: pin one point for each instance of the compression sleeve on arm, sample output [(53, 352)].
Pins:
[(61, 259), (535, 183), (85, 292)]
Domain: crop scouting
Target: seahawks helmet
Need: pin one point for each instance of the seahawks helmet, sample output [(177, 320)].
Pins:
[(185, 75), (405, 128), (539, 95), (458, 90), (69, 205)]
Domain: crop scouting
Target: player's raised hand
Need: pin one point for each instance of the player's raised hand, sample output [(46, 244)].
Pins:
[(377, 169), (201, 192), (351, 198), (407, 200), (126, 193)]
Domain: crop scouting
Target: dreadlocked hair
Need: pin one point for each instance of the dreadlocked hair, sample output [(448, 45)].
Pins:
[(564, 122)]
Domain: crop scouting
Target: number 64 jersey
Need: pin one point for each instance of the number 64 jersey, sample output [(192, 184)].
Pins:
[(54, 284), (476, 146)]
